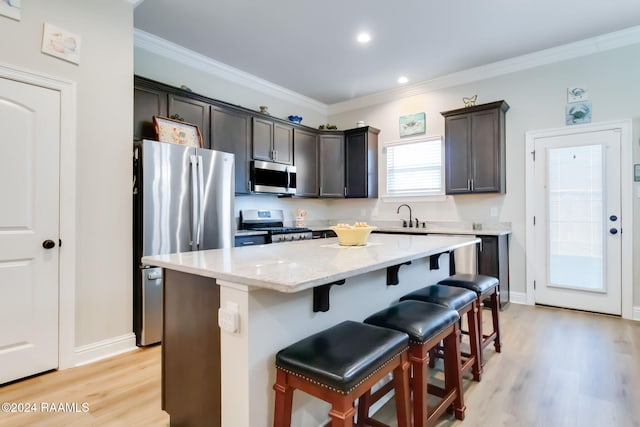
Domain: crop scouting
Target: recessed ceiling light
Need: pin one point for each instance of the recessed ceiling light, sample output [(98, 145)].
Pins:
[(364, 38), (402, 80)]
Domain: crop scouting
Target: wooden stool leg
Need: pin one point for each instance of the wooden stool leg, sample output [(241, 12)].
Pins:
[(403, 394), (495, 309), (284, 400), (364, 403), (474, 341), (342, 412), (433, 356), (420, 366), (480, 305), (452, 375)]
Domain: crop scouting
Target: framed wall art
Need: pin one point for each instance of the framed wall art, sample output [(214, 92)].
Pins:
[(177, 132), (61, 43), (412, 124), (10, 9)]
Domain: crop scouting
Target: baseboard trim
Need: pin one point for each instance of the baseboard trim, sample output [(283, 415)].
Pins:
[(102, 349), (636, 313), (518, 298)]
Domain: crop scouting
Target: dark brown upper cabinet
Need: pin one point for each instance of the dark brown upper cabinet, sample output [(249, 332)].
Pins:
[(361, 162), (151, 99), (331, 164), (231, 132), (147, 102), (272, 141), (474, 145), (191, 111), (305, 156)]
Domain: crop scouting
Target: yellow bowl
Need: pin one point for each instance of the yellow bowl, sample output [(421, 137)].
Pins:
[(356, 236)]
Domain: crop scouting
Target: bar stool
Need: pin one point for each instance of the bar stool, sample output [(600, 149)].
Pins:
[(340, 364), (485, 287), (426, 324), (464, 302)]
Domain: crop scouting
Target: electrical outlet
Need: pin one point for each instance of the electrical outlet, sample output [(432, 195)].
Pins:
[(229, 318), (363, 212), (494, 211)]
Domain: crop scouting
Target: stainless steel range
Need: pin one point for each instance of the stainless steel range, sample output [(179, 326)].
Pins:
[(272, 221)]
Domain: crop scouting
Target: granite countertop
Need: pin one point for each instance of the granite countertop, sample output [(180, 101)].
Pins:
[(432, 228), (296, 266), (436, 230)]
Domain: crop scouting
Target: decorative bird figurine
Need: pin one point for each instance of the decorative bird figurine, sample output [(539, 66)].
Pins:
[(470, 102)]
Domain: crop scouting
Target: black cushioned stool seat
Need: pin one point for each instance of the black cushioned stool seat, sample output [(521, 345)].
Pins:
[(464, 302), (338, 365), (426, 324), (451, 297), (477, 283), (486, 288)]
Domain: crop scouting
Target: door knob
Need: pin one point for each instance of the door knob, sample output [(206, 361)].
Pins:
[(613, 230), (48, 244), (613, 218)]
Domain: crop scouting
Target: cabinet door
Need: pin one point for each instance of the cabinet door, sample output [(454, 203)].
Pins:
[(493, 260), (262, 139), (282, 143), (305, 156), (147, 103), (485, 151), (331, 148), (457, 154), (231, 132), (356, 165), (191, 111)]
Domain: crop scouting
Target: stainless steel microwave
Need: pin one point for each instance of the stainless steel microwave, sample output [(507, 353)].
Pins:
[(269, 177)]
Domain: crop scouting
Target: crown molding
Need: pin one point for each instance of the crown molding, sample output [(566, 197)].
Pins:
[(565, 52), (135, 3), (169, 50)]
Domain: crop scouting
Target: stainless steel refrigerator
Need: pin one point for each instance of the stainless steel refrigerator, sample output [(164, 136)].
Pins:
[(182, 201)]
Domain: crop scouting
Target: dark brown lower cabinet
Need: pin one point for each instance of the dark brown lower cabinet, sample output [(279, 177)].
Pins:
[(191, 350), (493, 260)]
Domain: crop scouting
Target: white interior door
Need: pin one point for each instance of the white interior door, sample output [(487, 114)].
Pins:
[(29, 217), (577, 221)]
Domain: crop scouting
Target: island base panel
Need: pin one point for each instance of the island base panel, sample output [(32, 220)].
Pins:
[(191, 350)]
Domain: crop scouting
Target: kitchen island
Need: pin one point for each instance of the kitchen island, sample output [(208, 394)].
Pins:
[(269, 297)]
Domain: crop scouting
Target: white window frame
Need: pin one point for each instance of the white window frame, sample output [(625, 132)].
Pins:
[(419, 195)]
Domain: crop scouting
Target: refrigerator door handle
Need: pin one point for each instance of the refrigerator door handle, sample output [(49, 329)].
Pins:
[(200, 202), (194, 200)]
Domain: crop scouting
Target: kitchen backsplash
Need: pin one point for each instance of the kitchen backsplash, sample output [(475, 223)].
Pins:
[(462, 210)]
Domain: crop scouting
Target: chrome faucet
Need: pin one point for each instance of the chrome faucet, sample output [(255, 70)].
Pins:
[(410, 218)]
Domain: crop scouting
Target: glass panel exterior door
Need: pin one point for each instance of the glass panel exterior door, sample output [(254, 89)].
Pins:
[(576, 217), (577, 255)]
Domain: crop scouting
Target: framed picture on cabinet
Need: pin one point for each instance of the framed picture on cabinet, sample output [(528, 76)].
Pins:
[(412, 124), (177, 132)]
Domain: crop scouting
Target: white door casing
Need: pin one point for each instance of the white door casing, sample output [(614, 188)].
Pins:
[(611, 141), (29, 190)]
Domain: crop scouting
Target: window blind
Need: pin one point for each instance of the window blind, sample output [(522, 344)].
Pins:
[(414, 167)]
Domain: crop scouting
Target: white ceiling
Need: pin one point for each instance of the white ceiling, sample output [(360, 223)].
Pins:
[(309, 47)]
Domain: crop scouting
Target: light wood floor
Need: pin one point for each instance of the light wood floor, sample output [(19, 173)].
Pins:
[(558, 368)]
